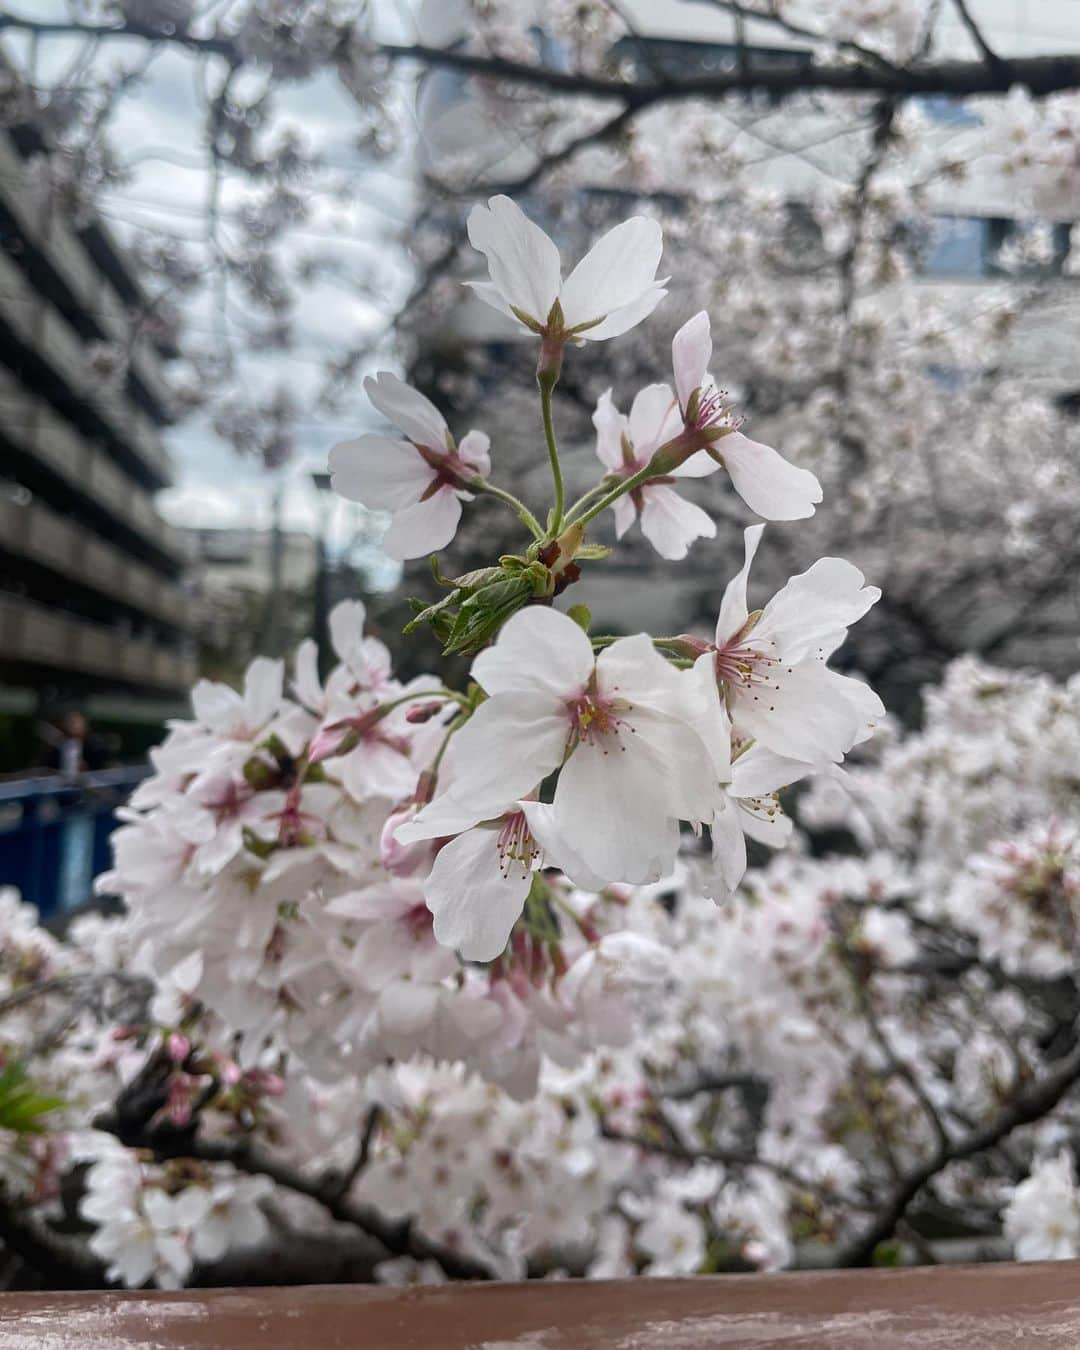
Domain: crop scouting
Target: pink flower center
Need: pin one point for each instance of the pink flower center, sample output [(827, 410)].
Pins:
[(713, 410), (739, 664), (515, 844), (228, 801), (419, 921), (597, 719)]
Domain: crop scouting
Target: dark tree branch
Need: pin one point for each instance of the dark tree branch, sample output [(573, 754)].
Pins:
[(62, 1262), (993, 61), (1041, 74), (1031, 1106), (771, 15), (399, 1236), (140, 1101)]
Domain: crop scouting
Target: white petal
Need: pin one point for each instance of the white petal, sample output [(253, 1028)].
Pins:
[(408, 409), (697, 466), (733, 610), (476, 904), (760, 771), (385, 475), (306, 682), (654, 419), (544, 829), (869, 709), (522, 260), (685, 783), (728, 854), (346, 624), (538, 649), (443, 817), (263, 686), (621, 320), (491, 295), (670, 523), (474, 449), (691, 352), (424, 528), (764, 822), (611, 425), (632, 669), (608, 809), (712, 723), (804, 713), (625, 514), (810, 616), (509, 745), (765, 481), (618, 271)]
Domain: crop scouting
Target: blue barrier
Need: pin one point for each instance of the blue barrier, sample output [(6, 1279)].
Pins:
[(54, 833)]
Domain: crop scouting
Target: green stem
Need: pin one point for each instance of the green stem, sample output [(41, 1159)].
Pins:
[(627, 485), (524, 514), (582, 502), (546, 381), (606, 639), (446, 694)]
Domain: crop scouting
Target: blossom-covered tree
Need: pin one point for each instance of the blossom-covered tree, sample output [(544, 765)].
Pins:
[(436, 978), (955, 469)]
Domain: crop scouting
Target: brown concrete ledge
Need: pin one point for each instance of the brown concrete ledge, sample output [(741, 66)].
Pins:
[(954, 1308)]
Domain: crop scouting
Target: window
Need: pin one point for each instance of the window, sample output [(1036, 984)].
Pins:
[(949, 111), (994, 246), (672, 59)]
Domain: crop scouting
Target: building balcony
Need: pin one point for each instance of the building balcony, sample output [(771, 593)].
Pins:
[(32, 635), (67, 548), (46, 353), (36, 433)]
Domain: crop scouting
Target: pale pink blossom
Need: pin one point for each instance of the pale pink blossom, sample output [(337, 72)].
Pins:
[(421, 480), (610, 290)]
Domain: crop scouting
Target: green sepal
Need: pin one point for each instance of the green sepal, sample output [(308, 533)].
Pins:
[(22, 1105), (262, 848), (581, 615), (484, 612)]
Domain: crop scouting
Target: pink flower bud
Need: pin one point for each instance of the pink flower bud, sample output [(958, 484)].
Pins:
[(404, 860), (178, 1106), (424, 712), (177, 1047), (268, 1083)]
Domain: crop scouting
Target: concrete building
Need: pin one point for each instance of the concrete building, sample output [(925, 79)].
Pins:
[(92, 596), (240, 559)]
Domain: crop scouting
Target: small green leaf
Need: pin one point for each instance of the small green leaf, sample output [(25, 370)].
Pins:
[(581, 615), (22, 1105), (888, 1253), (485, 611)]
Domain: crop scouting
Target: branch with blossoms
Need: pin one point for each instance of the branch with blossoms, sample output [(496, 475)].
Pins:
[(665, 729)]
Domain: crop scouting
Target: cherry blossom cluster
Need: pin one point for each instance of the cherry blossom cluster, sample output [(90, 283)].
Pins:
[(753, 1118), (666, 731)]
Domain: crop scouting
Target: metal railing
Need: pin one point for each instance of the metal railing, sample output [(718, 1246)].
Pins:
[(54, 833)]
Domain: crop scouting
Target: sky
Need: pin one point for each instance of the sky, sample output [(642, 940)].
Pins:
[(156, 135)]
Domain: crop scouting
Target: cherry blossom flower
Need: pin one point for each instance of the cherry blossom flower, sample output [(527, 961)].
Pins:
[(625, 445), (421, 480), (767, 483), (1042, 1218), (610, 290), (772, 663), (751, 809), (623, 724)]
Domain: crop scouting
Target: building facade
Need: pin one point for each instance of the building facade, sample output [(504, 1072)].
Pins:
[(92, 579)]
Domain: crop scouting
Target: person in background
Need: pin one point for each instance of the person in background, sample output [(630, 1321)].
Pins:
[(70, 746)]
